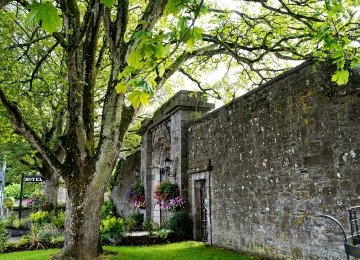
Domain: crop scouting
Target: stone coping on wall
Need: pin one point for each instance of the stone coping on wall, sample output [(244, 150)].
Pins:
[(182, 100), (254, 91)]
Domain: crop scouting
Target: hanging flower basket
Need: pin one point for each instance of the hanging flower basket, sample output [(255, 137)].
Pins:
[(167, 196), (136, 195)]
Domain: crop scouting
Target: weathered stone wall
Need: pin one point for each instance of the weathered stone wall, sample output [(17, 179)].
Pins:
[(281, 155), (125, 179)]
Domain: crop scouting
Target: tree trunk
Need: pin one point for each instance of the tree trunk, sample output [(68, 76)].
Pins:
[(51, 190), (82, 237)]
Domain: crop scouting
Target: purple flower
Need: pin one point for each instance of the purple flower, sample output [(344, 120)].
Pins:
[(177, 203)]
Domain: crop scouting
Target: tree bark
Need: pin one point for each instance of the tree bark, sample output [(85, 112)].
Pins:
[(51, 190), (82, 223)]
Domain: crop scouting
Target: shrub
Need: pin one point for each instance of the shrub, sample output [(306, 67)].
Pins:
[(13, 222), (181, 225), (16, 224), (40, 217), (25, 223), (58, 219), (137, 217), (107, 210), (33, 237), (12, 190), (9, 202), (9, 220), (162, 233), (130, 224), (150, 226), (48, 232), (112, 229), (3, 235)]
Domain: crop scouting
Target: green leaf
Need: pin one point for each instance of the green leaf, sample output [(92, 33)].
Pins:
[(107, 3), (196, 35), (162, 51), (46, 13), (341, 77), (161, 70), (174, 6), (355, 63), (121, 87), (135, 58), (138, 98), (144, 86)]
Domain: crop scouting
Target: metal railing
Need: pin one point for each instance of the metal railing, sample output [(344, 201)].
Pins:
[(352, 242)]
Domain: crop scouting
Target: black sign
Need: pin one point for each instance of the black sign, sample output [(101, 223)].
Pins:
[(34, 178)]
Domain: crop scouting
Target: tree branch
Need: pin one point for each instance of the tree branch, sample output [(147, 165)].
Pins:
[(198, 83), (40, 62), (22, 128), (26, 44)]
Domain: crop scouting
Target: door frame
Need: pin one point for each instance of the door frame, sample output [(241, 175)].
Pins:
[(194, 178)]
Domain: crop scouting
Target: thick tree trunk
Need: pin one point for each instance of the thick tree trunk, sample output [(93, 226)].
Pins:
[(82, 222), (51, 190)]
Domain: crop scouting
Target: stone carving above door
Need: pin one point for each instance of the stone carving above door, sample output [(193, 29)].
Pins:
[(161, 143)]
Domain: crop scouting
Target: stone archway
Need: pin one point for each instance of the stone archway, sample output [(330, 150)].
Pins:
[(161, 149)]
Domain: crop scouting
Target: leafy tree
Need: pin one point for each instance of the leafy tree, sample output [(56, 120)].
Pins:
[(95, 63)]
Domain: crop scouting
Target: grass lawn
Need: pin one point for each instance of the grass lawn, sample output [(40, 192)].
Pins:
[(178, 251)]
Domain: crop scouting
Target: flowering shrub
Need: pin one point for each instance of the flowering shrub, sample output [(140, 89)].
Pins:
[(167, 196), (177, 203), (136, 195)]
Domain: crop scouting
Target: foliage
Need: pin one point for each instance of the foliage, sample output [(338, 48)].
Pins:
[(33, 237), (138, 218), (40, 217), (45, 13), (48, 232), (58, 219), (162, 233), (3, 235), (112, 229), (165, 192), (36, 200), (9, 220), (9, 202), (130, 224), (25, 223), (107, 210), (13, 190), (181, 224), (136, 195), (13, 222), (150, 226)]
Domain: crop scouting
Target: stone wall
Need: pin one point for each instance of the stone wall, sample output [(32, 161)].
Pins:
[(127, 176), (277, 157)]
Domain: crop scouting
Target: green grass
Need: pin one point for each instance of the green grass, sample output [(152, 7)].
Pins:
[(29, 255), (176, 251)]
